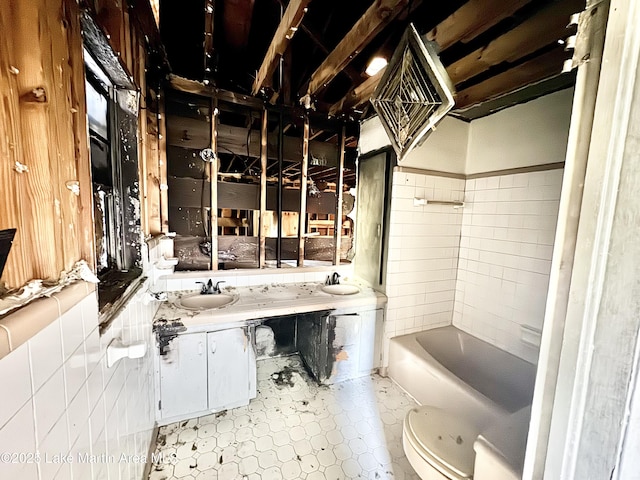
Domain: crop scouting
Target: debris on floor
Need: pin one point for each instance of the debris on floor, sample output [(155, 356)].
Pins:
[(294, 429)]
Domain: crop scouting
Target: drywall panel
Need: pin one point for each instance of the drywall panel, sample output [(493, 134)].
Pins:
[(444, 150), (533, 133)]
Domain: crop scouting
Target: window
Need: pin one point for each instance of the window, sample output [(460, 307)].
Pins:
[(112, 119)]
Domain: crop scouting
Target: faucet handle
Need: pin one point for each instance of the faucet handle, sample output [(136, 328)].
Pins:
[(203, 289), (216, 289)]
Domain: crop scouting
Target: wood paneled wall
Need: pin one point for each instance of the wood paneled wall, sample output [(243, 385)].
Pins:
[(44, 153)]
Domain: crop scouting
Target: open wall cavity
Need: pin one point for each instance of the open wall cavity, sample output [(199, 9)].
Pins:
[(284, 188)]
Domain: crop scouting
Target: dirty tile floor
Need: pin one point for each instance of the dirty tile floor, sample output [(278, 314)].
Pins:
[(293, 430)]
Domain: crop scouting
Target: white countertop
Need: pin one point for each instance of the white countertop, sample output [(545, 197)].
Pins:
[(263, 301)]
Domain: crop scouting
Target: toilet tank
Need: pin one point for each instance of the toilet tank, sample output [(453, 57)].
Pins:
[(500, 448)]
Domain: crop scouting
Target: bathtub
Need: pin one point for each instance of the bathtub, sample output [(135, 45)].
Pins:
[(448, 368)]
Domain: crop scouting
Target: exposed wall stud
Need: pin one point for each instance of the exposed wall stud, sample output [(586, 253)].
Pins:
[(302, 217)]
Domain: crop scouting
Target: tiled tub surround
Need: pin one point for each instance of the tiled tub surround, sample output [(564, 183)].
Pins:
[(483, 268), (422, 253), (508, 228), (63, 400)]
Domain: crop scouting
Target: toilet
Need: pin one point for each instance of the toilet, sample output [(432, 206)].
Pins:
[(439, 444)]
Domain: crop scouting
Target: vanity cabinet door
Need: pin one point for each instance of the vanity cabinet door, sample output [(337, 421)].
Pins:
[(370, 339), (356, 346), (231, 366), (183, 376)]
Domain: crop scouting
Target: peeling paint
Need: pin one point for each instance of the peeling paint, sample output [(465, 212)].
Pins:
[(38, 288), (21, 167)]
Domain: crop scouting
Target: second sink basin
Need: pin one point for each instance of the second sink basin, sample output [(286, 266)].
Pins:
[(206, 302), (340, 289)]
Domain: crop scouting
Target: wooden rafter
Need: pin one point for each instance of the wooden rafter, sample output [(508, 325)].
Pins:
[(547, 26), (472, 19), (186, 85), (288, 25), (358, 95), (467, 24), (535, 70), (377, 16), (351, 72)]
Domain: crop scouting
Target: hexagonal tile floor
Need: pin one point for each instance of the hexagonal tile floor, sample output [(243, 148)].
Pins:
[(294, 430)]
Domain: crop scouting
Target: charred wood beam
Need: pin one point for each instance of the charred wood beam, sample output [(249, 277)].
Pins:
[(380, 14), (358, 95), (535, 70), (463, 25), (351, 72), (546, 27), (198, 88), (280, 42), (191, 133), (472, 19)]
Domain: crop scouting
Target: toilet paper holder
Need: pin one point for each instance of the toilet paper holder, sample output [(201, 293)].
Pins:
[(116, 350)]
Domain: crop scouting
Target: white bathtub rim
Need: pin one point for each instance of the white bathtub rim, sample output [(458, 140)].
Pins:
[(398, 371)]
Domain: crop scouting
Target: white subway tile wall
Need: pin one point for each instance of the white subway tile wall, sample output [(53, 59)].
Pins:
[(508, 229), (65, 401), (422, 255)]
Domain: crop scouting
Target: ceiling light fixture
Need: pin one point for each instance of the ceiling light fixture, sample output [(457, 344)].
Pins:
[(375, 65)]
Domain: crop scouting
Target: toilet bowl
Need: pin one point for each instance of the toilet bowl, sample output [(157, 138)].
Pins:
[(439, 444)]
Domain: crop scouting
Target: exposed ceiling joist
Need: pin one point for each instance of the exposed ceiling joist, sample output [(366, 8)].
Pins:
[(541, 30), (358, 95), (467, 21), (472, 19), (186, 85), (482, 43), (377, 16), (544, 28), (353, 75), (288, 25), (535, 70)]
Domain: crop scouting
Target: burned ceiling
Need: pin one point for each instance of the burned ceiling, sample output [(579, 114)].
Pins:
[(497, 52)]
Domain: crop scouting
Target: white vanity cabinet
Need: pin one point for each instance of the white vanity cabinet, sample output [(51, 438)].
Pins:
[(356, 343), (232, 369), (183, 376), (205, 372)]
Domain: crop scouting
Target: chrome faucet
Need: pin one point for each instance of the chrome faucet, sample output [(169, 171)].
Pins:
[(209, 288), (333, 279)]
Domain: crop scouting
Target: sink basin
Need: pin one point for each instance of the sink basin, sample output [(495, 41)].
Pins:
[(206, 302), (340, 289)]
